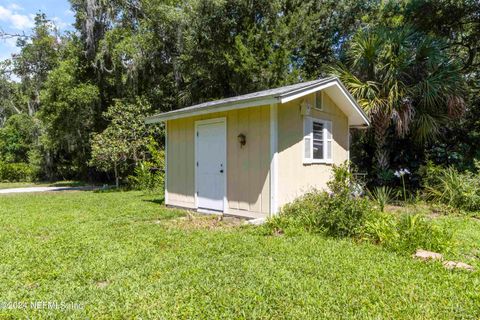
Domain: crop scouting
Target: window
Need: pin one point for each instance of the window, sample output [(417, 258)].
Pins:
[(319, 100), (317, 141)]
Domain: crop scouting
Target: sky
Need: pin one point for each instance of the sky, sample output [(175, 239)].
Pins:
[(16, 16)]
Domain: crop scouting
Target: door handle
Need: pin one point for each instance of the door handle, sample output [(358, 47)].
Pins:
[(221, 171)]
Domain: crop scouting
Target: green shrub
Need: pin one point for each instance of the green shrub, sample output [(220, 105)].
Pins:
[(340, 214), (457, 189), (406, 233), (149, 175), (16, 172), (342, 180), (416, 231), (146, 177), (336, 215), (380, 228)]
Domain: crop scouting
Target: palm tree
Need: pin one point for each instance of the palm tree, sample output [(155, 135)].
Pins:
[(402, 78)]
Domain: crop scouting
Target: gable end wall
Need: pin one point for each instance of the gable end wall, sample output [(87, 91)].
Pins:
[(294, 177)]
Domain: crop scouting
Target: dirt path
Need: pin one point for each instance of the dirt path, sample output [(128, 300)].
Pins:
[(46, 189)]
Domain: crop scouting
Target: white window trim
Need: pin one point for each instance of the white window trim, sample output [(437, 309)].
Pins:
[(321, 100), (325, 139)]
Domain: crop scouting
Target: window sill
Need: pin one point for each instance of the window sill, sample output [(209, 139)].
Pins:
[(328, 162)]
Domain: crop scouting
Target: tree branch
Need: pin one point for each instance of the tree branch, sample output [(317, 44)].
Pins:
[(5, 35)]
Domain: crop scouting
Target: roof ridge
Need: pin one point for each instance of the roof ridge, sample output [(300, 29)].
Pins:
[(258, 98)]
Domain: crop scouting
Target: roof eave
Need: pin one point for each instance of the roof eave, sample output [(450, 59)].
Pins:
[(329, 82), (181, 113), (354, 103), (292, 95), (264, 100)]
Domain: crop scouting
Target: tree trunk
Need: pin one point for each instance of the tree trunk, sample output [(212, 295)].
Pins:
[(381, 122), (117, 182)]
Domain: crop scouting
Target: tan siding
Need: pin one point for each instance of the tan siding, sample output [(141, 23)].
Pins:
[(295, 178), (243, 165), (180, 191), (247, 167), (232, 129), (248, 188)]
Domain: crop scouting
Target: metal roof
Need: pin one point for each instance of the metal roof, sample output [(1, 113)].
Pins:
[(264, 97)]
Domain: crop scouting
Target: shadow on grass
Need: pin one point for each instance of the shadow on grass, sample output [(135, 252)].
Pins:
[(160, 200), (144, 193)]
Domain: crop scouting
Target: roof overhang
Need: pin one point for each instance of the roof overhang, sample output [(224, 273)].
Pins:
[(180, 113), (332, 86)]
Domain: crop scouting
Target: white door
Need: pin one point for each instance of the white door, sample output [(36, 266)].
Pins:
[(211, 164)]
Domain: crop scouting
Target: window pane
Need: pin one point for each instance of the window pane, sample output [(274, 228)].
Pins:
[(317, 150), (307, 148), (318, 140), (318, 129)]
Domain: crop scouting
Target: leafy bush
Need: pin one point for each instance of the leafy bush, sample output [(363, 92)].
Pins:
[(449, 186), (344, 182), (342, 179), (149, 175), (337, 214), (16, 172), (416, 231), (146, 177), (406, 233), (333, 215), (340, 214), (380, 228)]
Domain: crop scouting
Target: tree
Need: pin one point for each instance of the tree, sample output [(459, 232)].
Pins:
[(9, 94), (109, 152), (124, 141), (175, 53), (318, 30), (68, 114), (456, 21), (18, 137), (38, 56), (405, 79)]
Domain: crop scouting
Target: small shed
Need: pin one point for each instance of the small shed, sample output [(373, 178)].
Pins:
[(249, 155)]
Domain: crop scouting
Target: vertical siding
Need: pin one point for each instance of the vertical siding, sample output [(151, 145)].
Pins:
[(247, 167), (180, 169), (232, 162), (243, 162), (295, 178)]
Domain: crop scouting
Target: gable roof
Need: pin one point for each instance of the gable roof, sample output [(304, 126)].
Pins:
[(332, 85)]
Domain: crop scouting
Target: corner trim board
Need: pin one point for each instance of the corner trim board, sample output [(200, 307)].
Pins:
[(165, 181), (273, 159)]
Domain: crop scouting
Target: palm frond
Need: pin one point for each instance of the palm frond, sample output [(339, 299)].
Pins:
[(427, 126)]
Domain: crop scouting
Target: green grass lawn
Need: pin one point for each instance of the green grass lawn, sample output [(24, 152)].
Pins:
[(123, 255)]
